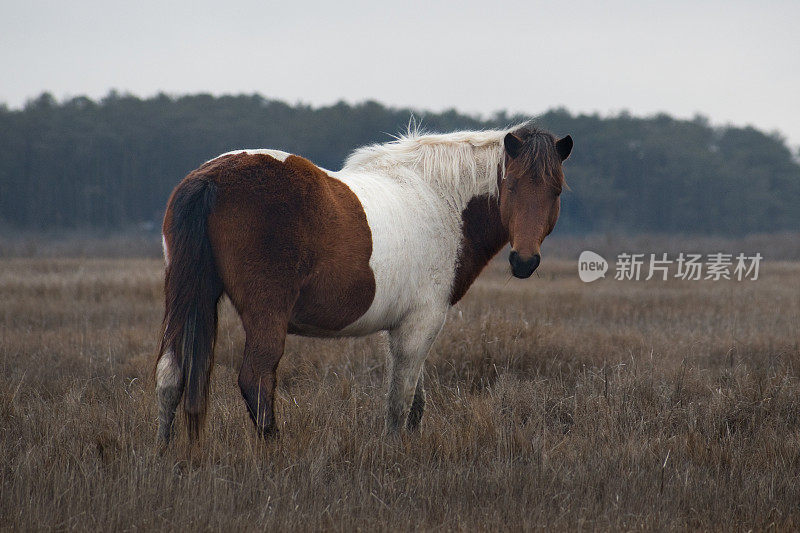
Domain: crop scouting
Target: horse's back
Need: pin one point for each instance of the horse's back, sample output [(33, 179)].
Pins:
[(280, 155)]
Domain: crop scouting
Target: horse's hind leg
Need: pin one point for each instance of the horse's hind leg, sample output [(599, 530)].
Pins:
[(408, 346), (168, 392), (266, 337)]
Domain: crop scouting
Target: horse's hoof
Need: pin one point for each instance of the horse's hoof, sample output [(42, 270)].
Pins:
[(162, 447), (269, 432)]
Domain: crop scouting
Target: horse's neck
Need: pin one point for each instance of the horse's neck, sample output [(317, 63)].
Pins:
[(477, 204), (483, 235)]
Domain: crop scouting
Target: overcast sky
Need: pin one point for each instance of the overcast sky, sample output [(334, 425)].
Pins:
[(736, 62)]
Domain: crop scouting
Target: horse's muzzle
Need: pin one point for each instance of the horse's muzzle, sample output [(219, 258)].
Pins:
[(523, 268)]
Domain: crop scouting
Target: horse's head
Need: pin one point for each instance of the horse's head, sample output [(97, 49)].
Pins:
[(530, 194)]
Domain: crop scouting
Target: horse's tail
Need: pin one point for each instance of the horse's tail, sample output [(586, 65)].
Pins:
[(192, 289)]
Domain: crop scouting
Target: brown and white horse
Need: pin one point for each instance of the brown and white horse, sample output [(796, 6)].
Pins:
[(388, 243)]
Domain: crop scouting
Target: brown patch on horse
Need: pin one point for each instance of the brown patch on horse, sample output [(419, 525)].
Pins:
[(340, 286), (483, 235), (290, 228)]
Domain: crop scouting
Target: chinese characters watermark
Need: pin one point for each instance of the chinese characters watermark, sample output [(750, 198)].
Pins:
[(686, 266)]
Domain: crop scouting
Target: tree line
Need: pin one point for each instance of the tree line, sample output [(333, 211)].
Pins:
[(111, 164)]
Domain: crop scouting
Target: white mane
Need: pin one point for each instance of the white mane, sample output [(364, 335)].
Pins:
[(460, 165)]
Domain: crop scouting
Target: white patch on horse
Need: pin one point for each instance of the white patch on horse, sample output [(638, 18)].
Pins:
[(168, 371), (277, 154), (168, 392)]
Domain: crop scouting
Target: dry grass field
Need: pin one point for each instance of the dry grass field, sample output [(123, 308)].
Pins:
[(552, 404)]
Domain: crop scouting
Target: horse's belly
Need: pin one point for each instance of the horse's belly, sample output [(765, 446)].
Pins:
[(357, 328), (309, 330)]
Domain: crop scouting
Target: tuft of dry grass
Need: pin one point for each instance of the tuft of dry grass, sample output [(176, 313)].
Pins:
[(552, 404)]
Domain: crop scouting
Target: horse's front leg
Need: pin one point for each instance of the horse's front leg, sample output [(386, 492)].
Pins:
[(409, 345), (418, 404)]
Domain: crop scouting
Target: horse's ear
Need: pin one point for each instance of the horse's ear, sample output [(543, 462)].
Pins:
[(513, 145), (564, 147)]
